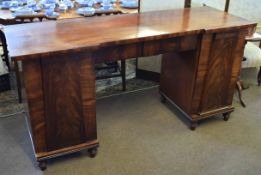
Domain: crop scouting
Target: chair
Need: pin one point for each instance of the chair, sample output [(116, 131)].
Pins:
[(4, 78), (3, 46), (113, 67), (5, 58), (251, 59)]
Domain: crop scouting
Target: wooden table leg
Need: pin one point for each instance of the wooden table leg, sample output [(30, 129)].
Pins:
[(18, 81), (123, 74), (259, 77), (239, 90)]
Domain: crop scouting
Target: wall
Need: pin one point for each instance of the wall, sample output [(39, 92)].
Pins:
[(151, 5), (249, 9)]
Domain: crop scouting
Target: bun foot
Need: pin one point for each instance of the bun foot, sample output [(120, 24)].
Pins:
[(92, 152), (163, 99), (42, 165), (193, 125), (226, 116)]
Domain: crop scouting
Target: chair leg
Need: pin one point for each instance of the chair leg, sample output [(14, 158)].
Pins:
[(259, 77), (123, 74), (18, 82), (239, 90)]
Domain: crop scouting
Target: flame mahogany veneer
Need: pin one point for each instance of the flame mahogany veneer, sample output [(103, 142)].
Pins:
[(202, 50)]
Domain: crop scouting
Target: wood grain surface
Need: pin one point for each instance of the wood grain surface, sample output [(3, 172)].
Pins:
[(201, 47), (81, 35), (35, 97), (62, 105)]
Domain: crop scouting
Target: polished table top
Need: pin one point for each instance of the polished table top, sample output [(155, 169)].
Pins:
[(83, 34)]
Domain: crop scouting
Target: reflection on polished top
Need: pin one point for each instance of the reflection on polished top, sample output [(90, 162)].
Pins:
[(83, 34)]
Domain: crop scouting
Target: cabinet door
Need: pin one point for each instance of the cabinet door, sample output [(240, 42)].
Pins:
[(69, 95), (223, 66)]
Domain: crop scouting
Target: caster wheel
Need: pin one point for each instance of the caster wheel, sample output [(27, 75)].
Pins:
[(193, 126), (92, 152), (226, 116), (163, 99), (42, 165)]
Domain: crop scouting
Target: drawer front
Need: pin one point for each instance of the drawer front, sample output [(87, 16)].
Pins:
[(170, 45), (113, 53), (147, 48)]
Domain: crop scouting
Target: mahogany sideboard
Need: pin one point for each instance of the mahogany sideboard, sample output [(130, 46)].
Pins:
[(202, 50)]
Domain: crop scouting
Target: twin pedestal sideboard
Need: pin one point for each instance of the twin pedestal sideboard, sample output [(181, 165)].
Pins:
[(201, 47)]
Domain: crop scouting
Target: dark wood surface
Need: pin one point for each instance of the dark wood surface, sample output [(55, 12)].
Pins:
[(81, 35), (187, 4), (61, 101), (224, 65), (178, 72), (227, 5), (34, 87), (201, 47), (206, 76), (66, 130)]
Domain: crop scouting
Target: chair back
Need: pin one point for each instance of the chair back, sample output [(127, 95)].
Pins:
[(3, 44)]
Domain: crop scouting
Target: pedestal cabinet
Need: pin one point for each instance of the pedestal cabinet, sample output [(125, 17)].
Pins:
[(201, 82)]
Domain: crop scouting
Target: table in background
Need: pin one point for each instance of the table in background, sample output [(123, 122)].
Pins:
[(6, 16), (202, 50)]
